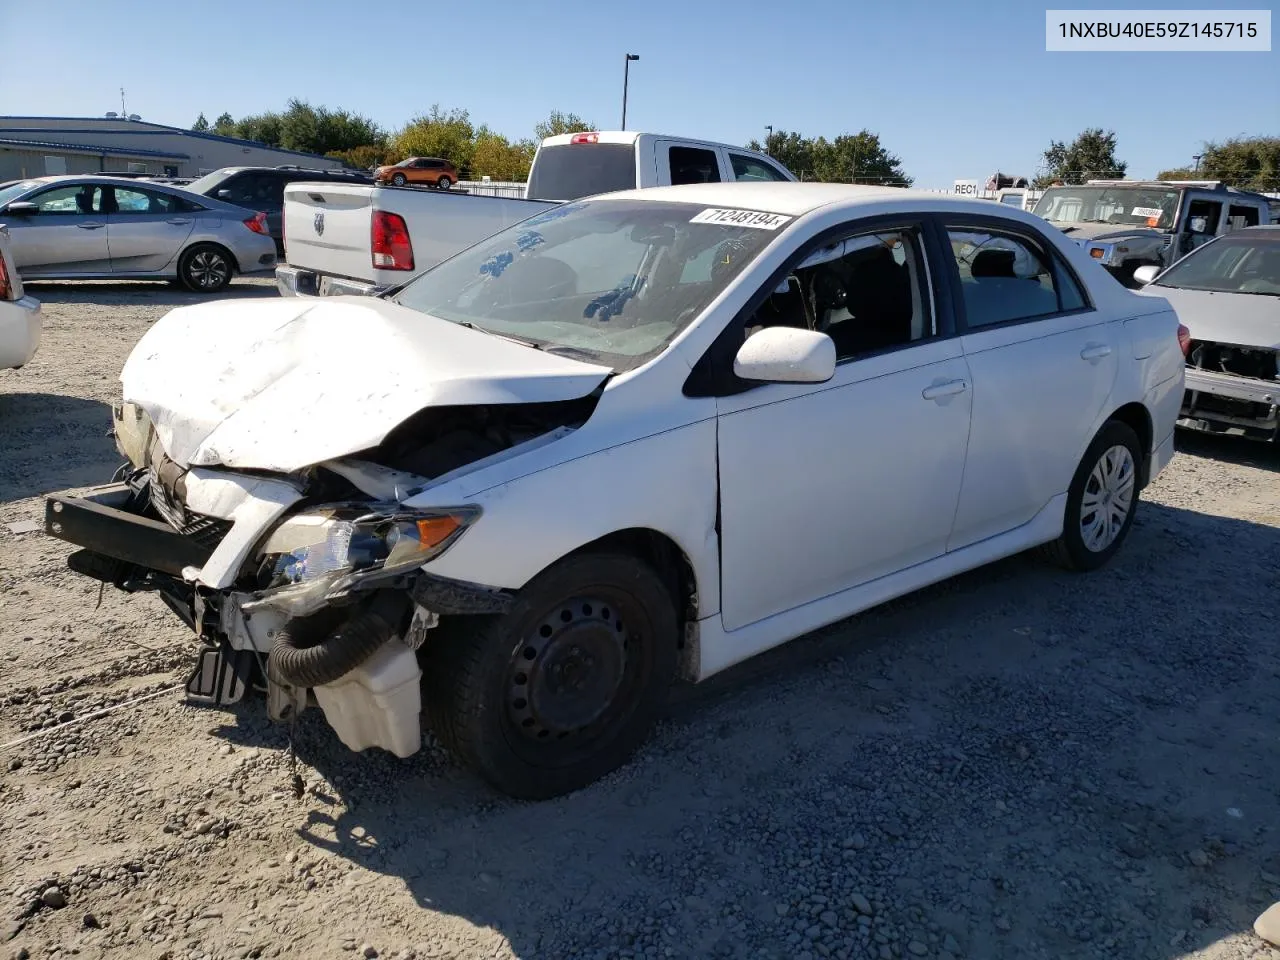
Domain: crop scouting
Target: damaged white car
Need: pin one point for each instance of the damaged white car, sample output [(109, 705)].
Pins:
[(634, 438)]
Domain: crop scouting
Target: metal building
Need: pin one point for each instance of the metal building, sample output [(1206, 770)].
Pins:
[(36, 146)]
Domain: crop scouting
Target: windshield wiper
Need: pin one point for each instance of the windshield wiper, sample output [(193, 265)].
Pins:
[(501, 336)]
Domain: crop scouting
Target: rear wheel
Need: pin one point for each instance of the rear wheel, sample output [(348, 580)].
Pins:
[(398, 180), (205, 268), (1101, 501), (444, 183), (561, 689)]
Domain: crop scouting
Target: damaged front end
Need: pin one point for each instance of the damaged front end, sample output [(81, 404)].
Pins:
[(308, 586), (1232, 389)]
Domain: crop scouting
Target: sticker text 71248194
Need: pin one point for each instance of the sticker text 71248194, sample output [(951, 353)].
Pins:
[(741, 218), (1146, 212)]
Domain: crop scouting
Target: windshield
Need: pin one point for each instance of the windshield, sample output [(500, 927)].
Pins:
[(1130, 206), (1233, 264), (611, 280), (11, 190), (573, 170), (206, 183)]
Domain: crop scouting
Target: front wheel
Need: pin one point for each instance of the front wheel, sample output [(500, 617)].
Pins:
[(562, 688), (398, 180), (1101, 501), (205, 268)]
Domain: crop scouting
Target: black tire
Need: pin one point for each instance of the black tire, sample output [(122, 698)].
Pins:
[(398, 179), (444, 183), (494, 685), (1071, 549), (206, 268)]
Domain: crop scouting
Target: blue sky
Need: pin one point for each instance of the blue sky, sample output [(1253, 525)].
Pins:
[(956, 89)]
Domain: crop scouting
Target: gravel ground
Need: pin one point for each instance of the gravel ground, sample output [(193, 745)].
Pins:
[(1020, 763)]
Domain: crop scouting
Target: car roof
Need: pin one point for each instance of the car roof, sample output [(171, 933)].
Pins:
[(98, 180), (796, 199)]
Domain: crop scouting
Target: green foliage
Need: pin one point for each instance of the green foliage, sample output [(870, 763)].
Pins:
[(494, 156), (201, 124), (1180, 173), (364, 157), (558, 123), (849, 158), (225, 126), (436, 133), (1250, 163), (1090, 156)]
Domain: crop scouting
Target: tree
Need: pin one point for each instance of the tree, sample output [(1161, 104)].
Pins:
[(558, 123), (1250, 163), (201, 125), (364, 157), (849, 158), (1090, 156), (494, 156), (1179, 173), (225, 126), (436, 134), (260, 128)]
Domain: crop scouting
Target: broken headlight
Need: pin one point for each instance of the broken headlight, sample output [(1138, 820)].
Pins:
[(326, 544)]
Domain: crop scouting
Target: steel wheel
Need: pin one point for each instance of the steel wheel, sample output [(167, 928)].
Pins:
[(1108, 498)]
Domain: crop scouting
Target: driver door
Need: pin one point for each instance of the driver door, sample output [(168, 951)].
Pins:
[(65, 236), (827, 486)]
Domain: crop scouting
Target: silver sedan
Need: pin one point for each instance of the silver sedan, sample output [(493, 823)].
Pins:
[(95, 228)]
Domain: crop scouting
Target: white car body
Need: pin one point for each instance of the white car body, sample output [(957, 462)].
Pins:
[(793, 504), (21, 325)]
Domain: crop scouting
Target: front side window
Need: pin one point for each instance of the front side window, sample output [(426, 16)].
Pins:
[(1233, 264), (749, 168), (1202, 216), (1005, 277), (75, 200), (14, 189), (1125, 206), (866, 292), (610, 280)]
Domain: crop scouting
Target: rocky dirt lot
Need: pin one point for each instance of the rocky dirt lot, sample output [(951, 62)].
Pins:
[(1021, 763)]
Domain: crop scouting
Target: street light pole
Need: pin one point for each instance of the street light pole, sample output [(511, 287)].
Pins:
[(626, 72), (768, 127)]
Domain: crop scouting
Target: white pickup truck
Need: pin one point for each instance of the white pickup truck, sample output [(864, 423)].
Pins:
[(351, 239)]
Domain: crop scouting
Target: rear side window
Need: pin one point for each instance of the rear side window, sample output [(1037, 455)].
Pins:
[(693, 165), (569, 171), (1007, 277)]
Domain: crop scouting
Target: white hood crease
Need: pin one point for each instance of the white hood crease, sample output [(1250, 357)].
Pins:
[(284, 384)]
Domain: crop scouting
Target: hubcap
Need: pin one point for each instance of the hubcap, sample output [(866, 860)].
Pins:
[(208, 269), (567, 674), (1108, 498)]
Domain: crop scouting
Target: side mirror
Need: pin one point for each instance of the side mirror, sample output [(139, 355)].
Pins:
[(1145, 274), (21, 208), (786, 355)]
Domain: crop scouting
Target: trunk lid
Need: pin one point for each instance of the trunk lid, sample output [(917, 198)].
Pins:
[(283, 384)]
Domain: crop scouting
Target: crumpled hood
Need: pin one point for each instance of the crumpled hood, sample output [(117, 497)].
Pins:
[(1246, 320), (1105, 231), (281, 384)]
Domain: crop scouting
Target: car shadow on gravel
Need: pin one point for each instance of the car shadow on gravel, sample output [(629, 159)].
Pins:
[(1238, 450), (51, 442), (1019, 762), (142, 292)]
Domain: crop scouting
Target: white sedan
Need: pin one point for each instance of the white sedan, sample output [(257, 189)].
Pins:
[(633, 438), (20, 323)]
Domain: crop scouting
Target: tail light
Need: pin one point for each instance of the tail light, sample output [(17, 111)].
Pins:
[(585, 138), (6, 286), (392, 248), (258, 224), (1184, 338)]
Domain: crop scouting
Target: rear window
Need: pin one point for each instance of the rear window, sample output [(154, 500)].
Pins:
[(570, 171)]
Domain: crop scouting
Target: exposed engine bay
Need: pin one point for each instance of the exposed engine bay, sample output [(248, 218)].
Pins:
[(1232, 389), (1258, 363)]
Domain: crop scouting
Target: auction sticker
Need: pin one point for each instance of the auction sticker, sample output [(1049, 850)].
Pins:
[(1146, 212), (741, 218)]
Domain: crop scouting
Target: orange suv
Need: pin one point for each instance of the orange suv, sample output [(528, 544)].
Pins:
[(431, 171)]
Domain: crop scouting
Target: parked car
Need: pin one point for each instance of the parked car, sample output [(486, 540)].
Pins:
[(635, 437), (1228, 293), (425, 171), (95, 228), (1127, 224), (20, 322), (365, 240), (262, 188)]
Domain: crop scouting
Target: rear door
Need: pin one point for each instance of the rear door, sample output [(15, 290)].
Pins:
[(67, 234), (146, 229)]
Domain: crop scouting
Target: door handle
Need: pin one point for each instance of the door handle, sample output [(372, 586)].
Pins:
[(178, 221), (90, 226), (948, 389), (1095, 352)]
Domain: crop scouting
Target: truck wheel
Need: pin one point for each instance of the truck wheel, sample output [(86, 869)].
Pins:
[(205, 268), (444, 183), (559, 690), (398, 180), (1101, 501)]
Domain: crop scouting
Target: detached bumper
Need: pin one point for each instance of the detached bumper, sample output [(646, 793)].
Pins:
[(1224, 403), (297, 282), (21, 328)]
